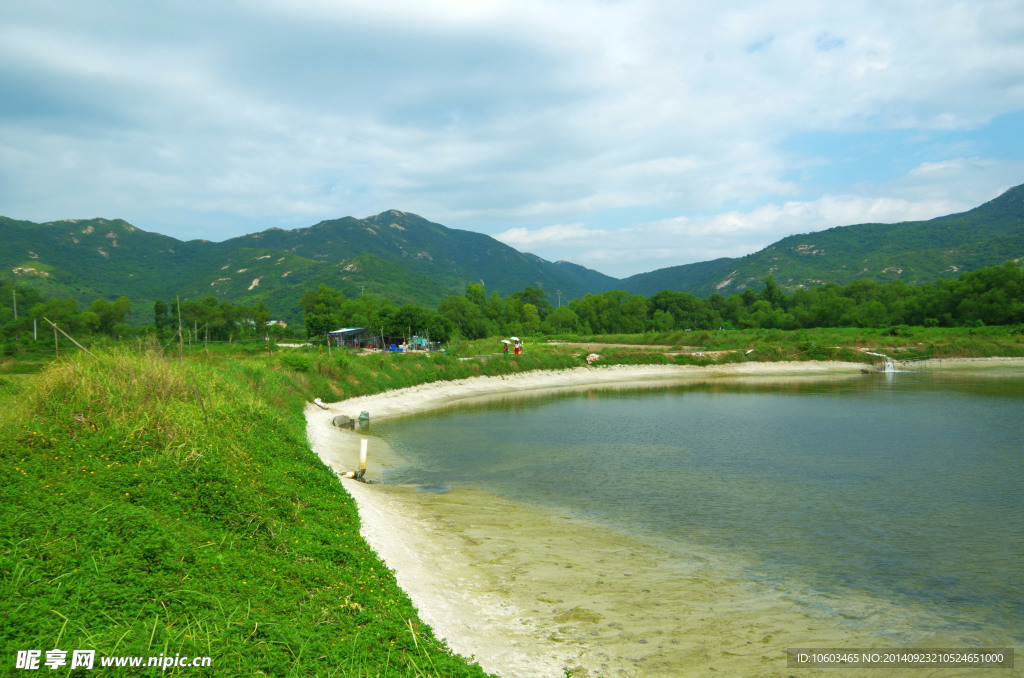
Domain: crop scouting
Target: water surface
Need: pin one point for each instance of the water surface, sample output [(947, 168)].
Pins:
[(905, 488)]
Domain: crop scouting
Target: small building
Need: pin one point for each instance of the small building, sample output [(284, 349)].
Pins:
[(352, 336)]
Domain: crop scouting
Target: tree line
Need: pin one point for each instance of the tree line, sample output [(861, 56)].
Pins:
[(989, 296), (26, 307), (26, 313), (326, 309), (210, 319)]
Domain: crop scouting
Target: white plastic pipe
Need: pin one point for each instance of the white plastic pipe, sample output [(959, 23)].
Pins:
[(363, 442)]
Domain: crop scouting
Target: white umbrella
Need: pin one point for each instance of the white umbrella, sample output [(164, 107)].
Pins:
[(514, 338), (505, 341)]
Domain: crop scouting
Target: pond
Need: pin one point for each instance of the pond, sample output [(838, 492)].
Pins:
[(889, 507)]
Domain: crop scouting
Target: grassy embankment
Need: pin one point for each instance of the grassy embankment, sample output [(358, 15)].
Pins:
[(679, 347), (901, 343), (154, 508)]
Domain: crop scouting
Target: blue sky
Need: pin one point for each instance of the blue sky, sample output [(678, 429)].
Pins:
[(623, 135)]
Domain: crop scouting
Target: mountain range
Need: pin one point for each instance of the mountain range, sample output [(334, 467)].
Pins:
[(395, 254), (912, 251), (409, 259)]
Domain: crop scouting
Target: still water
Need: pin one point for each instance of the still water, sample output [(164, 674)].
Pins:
[(908, 487)]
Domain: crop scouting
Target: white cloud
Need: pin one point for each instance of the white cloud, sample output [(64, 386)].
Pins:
[(504, 116), (932, 190), (556, 234)]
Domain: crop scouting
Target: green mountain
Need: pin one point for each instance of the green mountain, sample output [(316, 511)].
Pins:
[(394, 254), (409, 259), (912, 251), (451, 258)]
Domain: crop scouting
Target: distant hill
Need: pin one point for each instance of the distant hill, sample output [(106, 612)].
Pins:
[(912, 251), (395, 254), (408, 259)]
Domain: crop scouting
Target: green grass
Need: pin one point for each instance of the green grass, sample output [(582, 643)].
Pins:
[(835, 343), (157, 508)]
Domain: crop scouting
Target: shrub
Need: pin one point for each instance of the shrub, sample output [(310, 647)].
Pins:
[(297, 361), (899, 331)]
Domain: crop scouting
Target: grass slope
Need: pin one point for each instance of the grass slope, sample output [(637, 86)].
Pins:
[(902, 342), (156, 508)]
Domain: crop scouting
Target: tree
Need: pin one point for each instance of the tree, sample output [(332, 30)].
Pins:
[(871, 314), (611, 312), (323, 309), (495, 307), (662, 321), (366, 311), (261, 316), (109, 314), (322, 300), (475, 294), (685, 309), (536, 297), (161, 318), (530, 318), (26, 298), (319, 324), (561, 320), (57, 309), (412, 320), (772, 294), (466, 317)]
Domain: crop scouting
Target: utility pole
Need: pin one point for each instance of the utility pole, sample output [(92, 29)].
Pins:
[(55, 329), (559, 293), (181, 337), (14, 296)]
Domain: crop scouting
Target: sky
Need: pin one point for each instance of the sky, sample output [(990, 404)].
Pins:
[(622, 135)]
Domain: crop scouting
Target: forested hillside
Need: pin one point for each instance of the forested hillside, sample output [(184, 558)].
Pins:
[(396, 255), (914, 252)]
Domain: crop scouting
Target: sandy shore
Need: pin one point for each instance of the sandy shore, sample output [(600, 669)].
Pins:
[(533, 593), (440, 394)]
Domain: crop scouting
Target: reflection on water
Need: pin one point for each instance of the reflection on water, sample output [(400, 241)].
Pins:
[(906, 487)]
